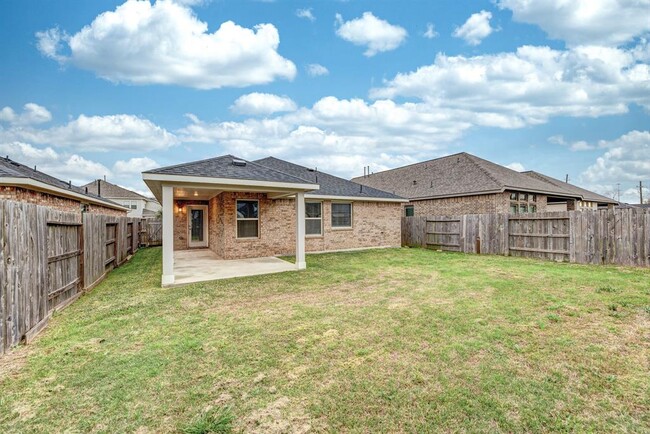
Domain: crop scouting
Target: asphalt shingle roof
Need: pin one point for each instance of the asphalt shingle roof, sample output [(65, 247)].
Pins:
[(112, 191), (570, 188), (223, 167), (330, 185), (13, 169), (460, 174)]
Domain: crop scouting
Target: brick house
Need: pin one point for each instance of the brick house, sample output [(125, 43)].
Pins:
[(240, 209), (139, 206), (465, 184), (25, 184)]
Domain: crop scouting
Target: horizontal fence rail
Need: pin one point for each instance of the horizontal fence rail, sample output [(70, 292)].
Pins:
[(615, 236), (49, 258)]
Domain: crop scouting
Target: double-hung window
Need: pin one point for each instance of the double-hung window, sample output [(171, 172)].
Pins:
[(341, 215), (313, 218), (247, 219), (409, 211)]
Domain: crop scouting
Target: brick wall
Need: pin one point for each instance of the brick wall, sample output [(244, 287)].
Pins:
[(55, 202), (479, 204), (375, 224)]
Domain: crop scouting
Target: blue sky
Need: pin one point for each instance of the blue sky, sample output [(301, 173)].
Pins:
[(113, 88)]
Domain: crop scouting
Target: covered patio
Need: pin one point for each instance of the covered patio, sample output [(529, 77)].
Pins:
[(222, 239), (191, 266)]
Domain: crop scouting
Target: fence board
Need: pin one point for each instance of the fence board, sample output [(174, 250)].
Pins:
[(615, 236), (47, 259)]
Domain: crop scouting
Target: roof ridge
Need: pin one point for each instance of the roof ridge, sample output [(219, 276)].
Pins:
[(483, 169), (193, 162), (276, 170), (415, 164)]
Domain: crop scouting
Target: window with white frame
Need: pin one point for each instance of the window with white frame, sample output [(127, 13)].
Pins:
[(313, 218), (342, 214), (247, 219)]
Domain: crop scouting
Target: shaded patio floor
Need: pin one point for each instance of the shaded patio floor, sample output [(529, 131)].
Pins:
[(201, 265)]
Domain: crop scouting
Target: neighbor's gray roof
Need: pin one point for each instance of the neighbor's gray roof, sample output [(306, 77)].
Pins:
[(13, 169), (112, 191), (570, 188), (223, 167), (460, 174), (330, 185)]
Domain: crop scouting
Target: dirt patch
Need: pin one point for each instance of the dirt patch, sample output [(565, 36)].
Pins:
[(12, 362), (280, 416)]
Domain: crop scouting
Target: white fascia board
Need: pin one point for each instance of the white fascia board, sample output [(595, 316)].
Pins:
[(47, 188), (179, 180), (354, 198)]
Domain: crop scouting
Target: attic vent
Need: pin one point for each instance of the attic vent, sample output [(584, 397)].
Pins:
[(240, 163), (415, 182)]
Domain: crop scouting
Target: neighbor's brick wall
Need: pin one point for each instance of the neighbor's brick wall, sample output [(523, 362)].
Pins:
[(55, 202), (479, 204), (374, 224)]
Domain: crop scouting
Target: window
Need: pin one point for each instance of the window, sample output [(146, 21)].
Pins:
[(247, 219), (523, 196), (513, 196), (532, 208), (409, 211), (513, 208), (523, 208), (533, 198), (341, 215), (313, 218), (134, 205)]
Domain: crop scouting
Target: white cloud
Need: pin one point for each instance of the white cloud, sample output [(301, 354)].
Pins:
[(32, 114), (430, 33), (376, 34), (627, 161), (476, 28), (98, 133), (262, 104), (338, 135), (527, 87), (579, 145), (165, 43), (597, 22), (516, 166), (134, 166), (305, 13), (65, 167), (316, 70)]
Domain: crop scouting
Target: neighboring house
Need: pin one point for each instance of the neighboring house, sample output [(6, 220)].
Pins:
[(139, 206), (251, 209), (25, 184), (465, 184)]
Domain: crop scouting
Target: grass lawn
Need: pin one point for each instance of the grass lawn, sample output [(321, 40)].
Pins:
[(377, 341)]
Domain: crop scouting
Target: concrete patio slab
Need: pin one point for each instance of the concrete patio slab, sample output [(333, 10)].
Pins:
[(201, 265)]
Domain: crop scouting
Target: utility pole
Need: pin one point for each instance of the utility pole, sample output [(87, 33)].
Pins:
[(641, 192), (618, 191)]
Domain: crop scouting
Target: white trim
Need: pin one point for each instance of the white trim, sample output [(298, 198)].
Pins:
[(353, 198), (203, 243), (237, 219), (28, 182), (301, 263), (168, 235), (319, 235), (227, 181)]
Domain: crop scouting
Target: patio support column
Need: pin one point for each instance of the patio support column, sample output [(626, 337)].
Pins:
[(167, 235), (300, 231)]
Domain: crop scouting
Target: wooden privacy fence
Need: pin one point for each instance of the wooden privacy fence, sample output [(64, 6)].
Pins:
[(151, 232), (48, 258), (617, 236)]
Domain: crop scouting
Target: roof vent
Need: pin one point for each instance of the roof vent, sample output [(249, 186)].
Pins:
[(415, 182), (238, 162)]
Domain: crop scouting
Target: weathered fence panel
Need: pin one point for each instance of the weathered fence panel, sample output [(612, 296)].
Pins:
[(615, 236), (48, 258), (152, 232)]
